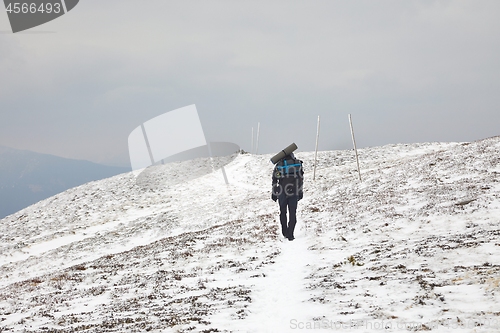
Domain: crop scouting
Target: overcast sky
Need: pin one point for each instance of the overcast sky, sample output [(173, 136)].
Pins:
[(407, 71)]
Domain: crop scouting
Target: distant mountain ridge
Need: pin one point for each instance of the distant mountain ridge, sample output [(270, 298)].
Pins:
[(27, 177)]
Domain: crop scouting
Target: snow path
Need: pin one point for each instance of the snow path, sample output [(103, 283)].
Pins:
[(281, 296)]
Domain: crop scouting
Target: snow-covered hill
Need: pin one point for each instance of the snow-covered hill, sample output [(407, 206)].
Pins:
[(414, 246)]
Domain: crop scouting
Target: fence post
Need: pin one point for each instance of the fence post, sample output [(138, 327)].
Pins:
[(251, 151), (354, 143), (316, 152), (257, 145)]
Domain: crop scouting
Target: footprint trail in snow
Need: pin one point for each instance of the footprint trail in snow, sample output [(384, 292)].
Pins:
[(279, 300)]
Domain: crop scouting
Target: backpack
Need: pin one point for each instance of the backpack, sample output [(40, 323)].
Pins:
[(289, 175)]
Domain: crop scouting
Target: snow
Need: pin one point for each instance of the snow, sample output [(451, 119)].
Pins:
[(415, 246), (283, 294)]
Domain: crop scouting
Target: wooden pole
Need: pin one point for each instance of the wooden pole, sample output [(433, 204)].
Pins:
[(257, 145), (251, 151), (316, 152), (354, 143)]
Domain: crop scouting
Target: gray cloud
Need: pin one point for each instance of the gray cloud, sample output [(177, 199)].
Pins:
[(407, 71)]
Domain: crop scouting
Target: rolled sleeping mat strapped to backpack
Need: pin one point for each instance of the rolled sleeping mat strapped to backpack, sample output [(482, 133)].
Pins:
[(287, 151)]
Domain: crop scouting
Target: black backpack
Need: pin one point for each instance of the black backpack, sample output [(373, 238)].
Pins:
[(289, 174)]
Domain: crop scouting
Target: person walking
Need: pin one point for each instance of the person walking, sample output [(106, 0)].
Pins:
[(288, 180)]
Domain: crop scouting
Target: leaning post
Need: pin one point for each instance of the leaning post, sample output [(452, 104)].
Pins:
[(354, 143), (257, 143), (316, 152)]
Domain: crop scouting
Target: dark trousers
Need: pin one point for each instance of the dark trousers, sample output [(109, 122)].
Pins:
[(290, 203)]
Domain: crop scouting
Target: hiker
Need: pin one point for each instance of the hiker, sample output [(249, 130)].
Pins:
[(288, 178)]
